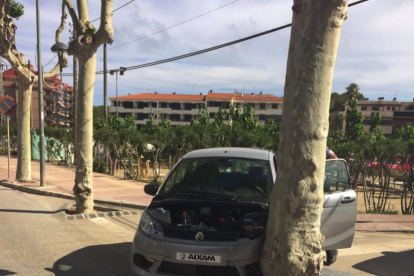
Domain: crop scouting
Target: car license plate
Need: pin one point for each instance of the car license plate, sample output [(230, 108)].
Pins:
[(192, 257)]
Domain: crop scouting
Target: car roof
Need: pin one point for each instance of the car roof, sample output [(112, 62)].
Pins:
[(231, 152)]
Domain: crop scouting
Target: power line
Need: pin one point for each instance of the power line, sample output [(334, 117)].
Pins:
[(207, 76), (205, 50), (91, 22), (211, 76), (116, 9), (163, 30), (197, 52)]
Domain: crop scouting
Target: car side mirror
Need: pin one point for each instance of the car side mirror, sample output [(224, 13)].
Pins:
[(151, 189)]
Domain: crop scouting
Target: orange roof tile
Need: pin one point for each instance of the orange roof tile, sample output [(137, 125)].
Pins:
[(161, 97), (226, 96), (253, 98)]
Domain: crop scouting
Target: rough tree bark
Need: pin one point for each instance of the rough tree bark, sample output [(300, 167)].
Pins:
[(25, 78), (293, 244), (84, 47), (24, 169)]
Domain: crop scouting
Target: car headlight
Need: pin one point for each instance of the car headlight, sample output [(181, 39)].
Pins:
[(253, 231), (150, 226)]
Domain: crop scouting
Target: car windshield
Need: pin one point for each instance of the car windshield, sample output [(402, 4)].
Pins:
[(238, 177)]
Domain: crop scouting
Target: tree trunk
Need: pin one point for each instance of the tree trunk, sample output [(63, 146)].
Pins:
[(293, 244), (75, 92), (83, 189), (24, 158)]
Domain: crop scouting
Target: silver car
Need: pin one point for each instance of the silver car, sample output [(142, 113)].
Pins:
[(209, 215)]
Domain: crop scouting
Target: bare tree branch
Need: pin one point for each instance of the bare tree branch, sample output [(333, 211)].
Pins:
[(106, 31), (72, 13), (62, 23), (55, 69)]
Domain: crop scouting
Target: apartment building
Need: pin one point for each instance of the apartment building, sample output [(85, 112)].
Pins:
[(179, 108), (394, 114), (57, 100)]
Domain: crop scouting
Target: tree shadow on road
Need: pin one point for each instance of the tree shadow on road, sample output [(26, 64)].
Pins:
[(391, 264), (4, 272), (105, 260)]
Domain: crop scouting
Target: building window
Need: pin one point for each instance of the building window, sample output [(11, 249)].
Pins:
[(386, 123), (262, 117), (142, 105), (375, 108), (187, 118), (175, 118), (262, 106), (175, 106), (275, 106), (128, 104), (226, 105), (393, 109), (141, 116), (153, 104), (363, 108), (214, 104), (388, 108), (367, 122), (189, 106), (211, 115), (163, 105)]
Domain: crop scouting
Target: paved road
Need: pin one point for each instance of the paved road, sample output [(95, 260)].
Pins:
[(35, 240), (383, 254)]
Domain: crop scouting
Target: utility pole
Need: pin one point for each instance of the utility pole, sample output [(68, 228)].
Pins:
[(106, 89), (1, 89), (40, 92), (75, 91), (116, 93)]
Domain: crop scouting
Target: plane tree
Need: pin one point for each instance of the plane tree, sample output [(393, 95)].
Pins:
[(11, 10), (87, 40), (293, 244)]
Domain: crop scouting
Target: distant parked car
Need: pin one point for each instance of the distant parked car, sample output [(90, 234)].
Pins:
[(209, 215)]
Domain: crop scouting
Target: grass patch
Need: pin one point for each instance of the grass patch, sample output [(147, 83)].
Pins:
[(376, 212)]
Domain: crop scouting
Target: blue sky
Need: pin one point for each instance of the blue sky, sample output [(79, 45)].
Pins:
[(376, 47)]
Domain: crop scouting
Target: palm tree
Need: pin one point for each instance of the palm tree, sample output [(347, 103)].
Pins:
[(353, 89)]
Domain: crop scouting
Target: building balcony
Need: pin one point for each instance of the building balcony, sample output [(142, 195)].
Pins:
[(50, 119), (153, 110), (268, 111), (49, 97), (383, 113)]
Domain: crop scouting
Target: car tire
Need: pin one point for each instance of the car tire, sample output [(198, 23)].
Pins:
[(331, 257)]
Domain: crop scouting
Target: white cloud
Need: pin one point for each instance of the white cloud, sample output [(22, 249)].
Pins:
[(376, 47)]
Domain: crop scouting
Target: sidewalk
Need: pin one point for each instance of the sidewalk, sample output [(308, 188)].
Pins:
[(60, 180), (130, 193)]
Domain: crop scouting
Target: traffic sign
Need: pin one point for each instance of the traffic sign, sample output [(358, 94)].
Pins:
[(7, 105)]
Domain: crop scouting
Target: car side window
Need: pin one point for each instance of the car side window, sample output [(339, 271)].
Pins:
[(336, 176)]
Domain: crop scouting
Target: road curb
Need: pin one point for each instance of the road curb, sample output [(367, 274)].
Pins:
[(36, 191), (408, 231)]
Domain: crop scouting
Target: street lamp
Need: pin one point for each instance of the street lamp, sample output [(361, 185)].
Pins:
[(59, 48), (112, 72)]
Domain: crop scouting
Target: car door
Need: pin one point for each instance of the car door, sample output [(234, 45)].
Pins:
[(340, 206)]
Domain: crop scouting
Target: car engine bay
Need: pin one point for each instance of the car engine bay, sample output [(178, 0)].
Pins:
[(248, 221)]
